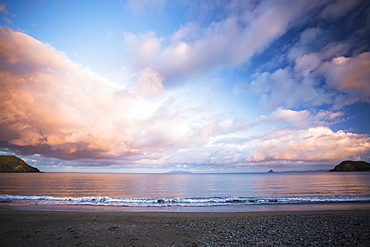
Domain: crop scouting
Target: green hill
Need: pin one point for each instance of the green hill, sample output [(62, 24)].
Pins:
[(351, 166), (11, 163)]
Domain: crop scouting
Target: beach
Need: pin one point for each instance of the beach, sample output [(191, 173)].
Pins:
[(89, 228)]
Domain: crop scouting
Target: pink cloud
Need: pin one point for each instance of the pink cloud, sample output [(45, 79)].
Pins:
[(2, 8), (312, 144), (47, 100), (345, 73), (55, 107), (16, 50)]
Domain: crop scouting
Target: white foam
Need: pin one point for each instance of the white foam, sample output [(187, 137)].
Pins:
[(180, 202)]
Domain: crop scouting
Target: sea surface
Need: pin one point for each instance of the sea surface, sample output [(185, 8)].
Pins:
[(186, 192)]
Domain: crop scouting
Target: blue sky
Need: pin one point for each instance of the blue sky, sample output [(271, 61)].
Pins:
[(204, 86)]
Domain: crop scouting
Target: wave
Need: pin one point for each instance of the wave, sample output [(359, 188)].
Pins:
[(177, 202)]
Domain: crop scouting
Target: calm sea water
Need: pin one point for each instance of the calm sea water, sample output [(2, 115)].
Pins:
[(186, 192)]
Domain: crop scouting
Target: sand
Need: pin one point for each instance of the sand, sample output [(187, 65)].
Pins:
[(298, 228)]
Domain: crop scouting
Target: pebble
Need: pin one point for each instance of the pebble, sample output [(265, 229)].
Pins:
[(298, 230)]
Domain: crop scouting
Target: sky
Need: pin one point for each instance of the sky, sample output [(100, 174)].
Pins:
[(201, 86)]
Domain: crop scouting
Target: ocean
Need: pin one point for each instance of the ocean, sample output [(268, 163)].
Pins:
[(186, 192)]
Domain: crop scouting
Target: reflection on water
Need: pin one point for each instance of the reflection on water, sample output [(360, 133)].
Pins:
[(262, 185), (314, 183)]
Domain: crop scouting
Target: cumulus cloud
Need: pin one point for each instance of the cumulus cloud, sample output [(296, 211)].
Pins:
[(55, 107), (46, 99), (317, 143), (350, 73), (309, 144)]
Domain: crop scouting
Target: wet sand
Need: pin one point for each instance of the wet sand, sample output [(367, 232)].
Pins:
[(294, 228)]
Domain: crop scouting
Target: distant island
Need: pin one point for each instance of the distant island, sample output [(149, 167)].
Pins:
[(11, 163), (351, 166)]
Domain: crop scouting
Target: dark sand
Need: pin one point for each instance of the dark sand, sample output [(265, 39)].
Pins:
[(299, 228)]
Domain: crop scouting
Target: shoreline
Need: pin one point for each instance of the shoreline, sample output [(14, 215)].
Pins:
[(98, 228), (321, 206)]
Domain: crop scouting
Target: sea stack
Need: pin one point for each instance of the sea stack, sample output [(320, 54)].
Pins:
[(351, 166), (11, 163)]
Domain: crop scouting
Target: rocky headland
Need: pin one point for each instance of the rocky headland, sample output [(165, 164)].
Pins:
[(351, 166), (11, 163)]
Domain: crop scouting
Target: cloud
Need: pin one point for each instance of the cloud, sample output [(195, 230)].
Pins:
[(3, 8), (346, 82), (289, 136), (300, 119), (350, 74), (320, 68), (284, 135), (143, 48), (231, 41), (312, 144), (285, 88), (55, 107), (150, 83), (338, 8)]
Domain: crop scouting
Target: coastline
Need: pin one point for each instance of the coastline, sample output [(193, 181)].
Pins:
[(278, 228), (237, 208)]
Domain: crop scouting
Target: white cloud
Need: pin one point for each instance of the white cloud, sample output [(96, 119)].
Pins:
[(285, 88), (195, 50), (312, 144), (150, 83), (315, 76), (307, 63), (300, 119)]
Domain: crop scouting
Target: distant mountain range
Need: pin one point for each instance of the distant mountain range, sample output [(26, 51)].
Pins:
[(11, 163)]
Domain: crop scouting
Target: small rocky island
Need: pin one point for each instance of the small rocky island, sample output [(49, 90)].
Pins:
[(11, 163), (351, 166)]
